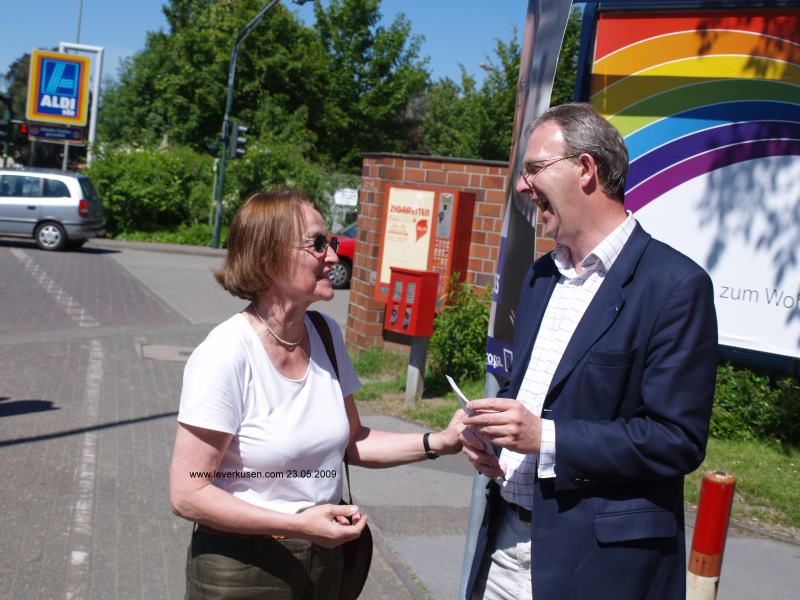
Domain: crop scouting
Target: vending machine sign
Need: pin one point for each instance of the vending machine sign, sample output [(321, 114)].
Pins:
[(407, 234)]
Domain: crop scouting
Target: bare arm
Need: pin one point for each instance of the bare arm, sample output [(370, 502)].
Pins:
[(199, 451), (376, 449)]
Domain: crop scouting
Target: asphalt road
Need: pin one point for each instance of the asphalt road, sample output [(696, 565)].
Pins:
[(92, 348)]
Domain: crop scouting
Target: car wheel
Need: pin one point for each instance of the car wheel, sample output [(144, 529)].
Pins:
[(340, 274), (50, 236)]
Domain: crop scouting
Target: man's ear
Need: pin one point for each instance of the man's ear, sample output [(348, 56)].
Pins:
[(588, 173)]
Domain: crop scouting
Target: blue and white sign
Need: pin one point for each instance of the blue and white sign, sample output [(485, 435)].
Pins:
[(58, 88)]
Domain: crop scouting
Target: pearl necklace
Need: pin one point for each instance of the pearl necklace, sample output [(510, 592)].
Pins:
[(275, 335)]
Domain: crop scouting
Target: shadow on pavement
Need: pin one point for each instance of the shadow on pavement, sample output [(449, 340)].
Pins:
[(21, 407), (80, 430)]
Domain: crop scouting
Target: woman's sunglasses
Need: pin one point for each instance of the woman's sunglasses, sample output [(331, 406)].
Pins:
[(320, 243)]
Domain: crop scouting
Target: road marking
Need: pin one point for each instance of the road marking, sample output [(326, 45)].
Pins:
[(75, 311), (79, 568)]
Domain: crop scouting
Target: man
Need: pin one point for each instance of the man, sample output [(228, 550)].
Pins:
[(609, 397)]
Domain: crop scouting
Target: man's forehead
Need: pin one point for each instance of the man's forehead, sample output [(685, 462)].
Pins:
[(546, 139)]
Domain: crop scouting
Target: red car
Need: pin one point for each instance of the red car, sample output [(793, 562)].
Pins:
[(343, 270)]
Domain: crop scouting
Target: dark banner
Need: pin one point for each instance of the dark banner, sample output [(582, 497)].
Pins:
[(544, 31)]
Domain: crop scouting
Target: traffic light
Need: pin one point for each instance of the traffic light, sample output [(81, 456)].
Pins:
[(238, 141), (5, 118)]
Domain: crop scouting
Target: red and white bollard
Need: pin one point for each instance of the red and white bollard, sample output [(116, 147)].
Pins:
[(710, 532)]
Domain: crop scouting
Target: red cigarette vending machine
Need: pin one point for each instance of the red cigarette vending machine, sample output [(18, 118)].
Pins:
[(425, 229)]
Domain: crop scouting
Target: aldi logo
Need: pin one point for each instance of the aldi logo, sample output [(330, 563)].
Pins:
[(58, 88)]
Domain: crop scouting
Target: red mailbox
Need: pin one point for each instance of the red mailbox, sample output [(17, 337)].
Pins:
[(411, 304)]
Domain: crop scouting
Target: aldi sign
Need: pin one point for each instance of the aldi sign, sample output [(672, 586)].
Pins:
[(58, 88)]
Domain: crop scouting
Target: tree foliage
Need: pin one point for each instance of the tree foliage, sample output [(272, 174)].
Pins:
[(463, 120), (567, 69), (467, 121), (350, 78), (175, 88), (375, 73)]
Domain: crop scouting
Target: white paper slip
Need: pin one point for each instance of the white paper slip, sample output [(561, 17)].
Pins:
[(462, 399)]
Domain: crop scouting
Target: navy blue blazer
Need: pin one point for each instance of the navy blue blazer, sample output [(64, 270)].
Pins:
[(631, 400)]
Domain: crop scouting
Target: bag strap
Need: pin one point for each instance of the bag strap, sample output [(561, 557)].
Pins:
[(321, 325), (324, 331)]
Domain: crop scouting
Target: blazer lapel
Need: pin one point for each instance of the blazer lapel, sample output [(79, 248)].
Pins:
[(604, 308), (545, 276)]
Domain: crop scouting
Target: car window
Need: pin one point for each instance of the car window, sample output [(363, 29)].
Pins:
[(21, 185), (53, 188), (88, 189)]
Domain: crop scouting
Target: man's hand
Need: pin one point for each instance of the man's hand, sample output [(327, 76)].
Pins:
[(505, 422)]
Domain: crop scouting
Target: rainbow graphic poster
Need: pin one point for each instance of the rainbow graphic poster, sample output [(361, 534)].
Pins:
[(709, 106)]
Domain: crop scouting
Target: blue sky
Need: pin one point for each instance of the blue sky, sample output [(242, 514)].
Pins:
[(456, 31)]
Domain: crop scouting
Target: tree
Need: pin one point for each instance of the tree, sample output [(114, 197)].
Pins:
[(175, 88), (567, 69), (462, 120), (375, 74)]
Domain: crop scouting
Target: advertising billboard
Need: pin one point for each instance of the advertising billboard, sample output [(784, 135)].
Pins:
[(709, 105)]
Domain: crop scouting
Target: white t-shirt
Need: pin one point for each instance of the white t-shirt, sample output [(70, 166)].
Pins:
[(289, 435)]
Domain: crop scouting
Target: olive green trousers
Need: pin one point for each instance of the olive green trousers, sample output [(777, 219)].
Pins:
[(219, 567)]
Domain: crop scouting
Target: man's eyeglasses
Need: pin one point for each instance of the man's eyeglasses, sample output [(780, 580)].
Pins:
[(320, 243), (532, 168)]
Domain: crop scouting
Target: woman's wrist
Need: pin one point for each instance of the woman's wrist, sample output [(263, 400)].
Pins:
[(439, 444)]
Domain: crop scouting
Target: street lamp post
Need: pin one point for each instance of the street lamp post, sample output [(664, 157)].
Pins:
[(226, 128)]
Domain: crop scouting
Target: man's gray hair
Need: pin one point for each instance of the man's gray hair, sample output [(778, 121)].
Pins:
[(585, 131)]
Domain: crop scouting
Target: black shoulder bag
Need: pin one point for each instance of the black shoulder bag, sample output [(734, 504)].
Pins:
[(357, 553)]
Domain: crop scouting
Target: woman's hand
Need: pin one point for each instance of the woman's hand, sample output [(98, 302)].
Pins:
[(330, 525), (480, 455), (447, 441)]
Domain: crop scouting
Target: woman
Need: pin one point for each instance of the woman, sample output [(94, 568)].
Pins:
[(264, 421)]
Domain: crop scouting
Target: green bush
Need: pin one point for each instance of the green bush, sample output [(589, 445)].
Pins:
[(748, 406), (458, 345), (152, 189), (199, 234)]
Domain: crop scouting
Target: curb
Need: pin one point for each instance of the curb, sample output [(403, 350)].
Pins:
[(155, 247)]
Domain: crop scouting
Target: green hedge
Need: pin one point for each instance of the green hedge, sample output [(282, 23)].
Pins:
[(748, 406), (151, 189)]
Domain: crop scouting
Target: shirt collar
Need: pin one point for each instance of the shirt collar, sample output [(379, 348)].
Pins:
[(603, 256)]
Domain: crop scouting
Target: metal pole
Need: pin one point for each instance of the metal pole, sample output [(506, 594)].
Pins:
[(243, 33), (98, 73), (80, 16), (65, 162), (415, 375), (710, 533), (98, 70)]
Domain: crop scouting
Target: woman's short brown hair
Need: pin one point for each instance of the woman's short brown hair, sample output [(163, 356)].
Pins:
[(262, 235)]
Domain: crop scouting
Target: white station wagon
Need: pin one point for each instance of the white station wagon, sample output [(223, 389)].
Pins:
[(58, 209)]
